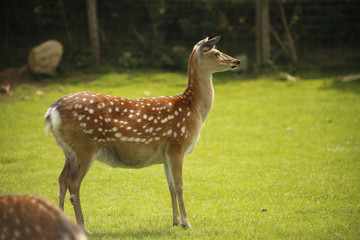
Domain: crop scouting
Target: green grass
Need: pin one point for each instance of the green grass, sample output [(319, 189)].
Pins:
[(292, 148)]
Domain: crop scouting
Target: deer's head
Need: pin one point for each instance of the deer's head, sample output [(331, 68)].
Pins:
[(208, 58)]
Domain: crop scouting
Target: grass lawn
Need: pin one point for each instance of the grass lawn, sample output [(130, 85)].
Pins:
[(276, 160)]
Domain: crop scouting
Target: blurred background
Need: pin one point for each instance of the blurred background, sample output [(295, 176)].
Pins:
[(295, 35)]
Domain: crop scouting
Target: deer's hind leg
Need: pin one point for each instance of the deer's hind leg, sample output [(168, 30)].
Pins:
[(77, 172), (63, 177)]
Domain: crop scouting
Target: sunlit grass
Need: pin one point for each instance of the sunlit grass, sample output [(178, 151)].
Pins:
[(276, 160)]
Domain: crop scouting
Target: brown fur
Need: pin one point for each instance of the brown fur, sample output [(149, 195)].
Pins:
[(33, 217)]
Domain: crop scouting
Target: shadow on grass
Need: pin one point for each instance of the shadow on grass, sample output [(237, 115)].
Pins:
[(336, 84), (136, 234)]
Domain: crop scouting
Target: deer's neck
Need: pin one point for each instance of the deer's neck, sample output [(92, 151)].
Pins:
[(200, 91)]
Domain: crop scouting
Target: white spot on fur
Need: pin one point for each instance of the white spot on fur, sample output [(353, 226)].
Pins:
[(123, 139), (183, 129), (90, 131)]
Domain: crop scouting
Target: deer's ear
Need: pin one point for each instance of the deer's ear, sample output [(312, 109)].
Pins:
[(202, 41), (207, 45)]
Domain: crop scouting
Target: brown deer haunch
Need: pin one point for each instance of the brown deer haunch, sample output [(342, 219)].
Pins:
[(136, 133), (33, 217)]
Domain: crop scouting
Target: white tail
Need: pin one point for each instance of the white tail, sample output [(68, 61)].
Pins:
[(33, 217), (135, 133)]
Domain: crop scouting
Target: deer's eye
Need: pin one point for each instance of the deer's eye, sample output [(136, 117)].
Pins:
[(217, 54)]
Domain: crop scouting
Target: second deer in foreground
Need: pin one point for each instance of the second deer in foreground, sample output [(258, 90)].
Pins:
[(136, 133)]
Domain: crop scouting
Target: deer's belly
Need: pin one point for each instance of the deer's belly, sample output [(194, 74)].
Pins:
[(127, 158)]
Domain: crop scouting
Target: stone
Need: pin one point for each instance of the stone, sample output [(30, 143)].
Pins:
[(350, 78), (45, 58), (287, 77)]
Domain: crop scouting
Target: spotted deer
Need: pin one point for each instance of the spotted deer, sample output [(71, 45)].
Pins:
[(35, 218), (136, 133)]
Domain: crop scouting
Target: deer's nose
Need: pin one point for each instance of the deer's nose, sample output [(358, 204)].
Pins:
[(237, 62)]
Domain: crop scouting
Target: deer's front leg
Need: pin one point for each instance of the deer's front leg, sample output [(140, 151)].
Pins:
[(175, 162), (176, 219)]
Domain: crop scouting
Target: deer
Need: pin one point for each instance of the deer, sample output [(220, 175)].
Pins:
[(136, 133), (33, 217)]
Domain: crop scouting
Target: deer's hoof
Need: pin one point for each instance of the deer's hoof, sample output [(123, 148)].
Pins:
[(176, 222), (186, 226)]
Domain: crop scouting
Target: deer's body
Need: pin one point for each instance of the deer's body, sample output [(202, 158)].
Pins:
[(135, 133), (121, 125), (34, 218)]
